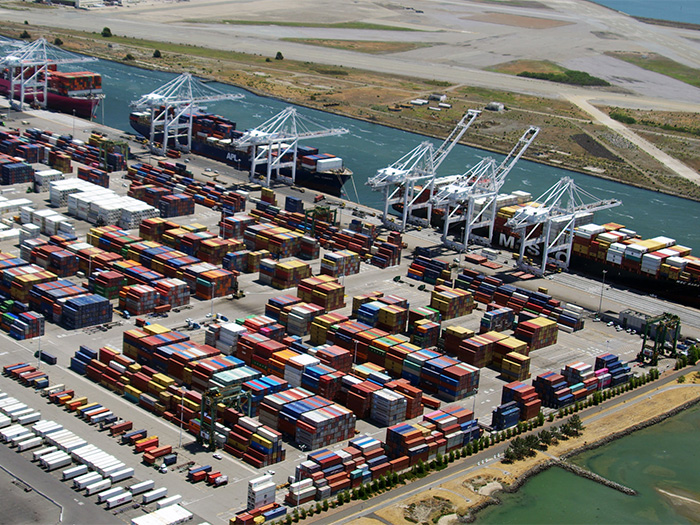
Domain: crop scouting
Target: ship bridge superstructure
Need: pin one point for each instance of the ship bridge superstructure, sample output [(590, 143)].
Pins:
[(471, 198), (550, 221), (398, 180), (28, 67), (275, 143), (172, 108)]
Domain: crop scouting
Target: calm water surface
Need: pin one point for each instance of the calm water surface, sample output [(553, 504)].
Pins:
[(661, 463)]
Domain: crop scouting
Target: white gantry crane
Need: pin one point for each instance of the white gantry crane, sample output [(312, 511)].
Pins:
[(28, 67), (398, 180), (471, 198), (274, 143), (550, 222), (172, 107)]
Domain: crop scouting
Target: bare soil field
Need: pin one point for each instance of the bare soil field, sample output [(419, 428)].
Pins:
[(529, 22)]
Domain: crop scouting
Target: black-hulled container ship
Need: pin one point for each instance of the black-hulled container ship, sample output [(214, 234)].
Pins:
[(213, 136), (657, 265)]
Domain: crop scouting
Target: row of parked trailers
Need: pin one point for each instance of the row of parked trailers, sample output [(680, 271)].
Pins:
[(97, 470)]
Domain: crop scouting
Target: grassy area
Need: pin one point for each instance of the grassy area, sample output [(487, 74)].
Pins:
[(373, 47), (569, 76), (337, 25), (663, 65), (518, 66)]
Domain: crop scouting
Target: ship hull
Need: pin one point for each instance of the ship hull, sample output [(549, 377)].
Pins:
[(682, 292), (327, 182), (83, 107)]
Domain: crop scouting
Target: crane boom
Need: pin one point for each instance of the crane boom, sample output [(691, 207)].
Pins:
[(551, 220), (172, 107), (281, 134), (397, 181)]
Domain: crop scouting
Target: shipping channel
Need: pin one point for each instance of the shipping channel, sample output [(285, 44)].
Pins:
[(647, 461), (369, 147)]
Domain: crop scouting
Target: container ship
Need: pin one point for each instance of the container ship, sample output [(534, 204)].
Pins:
[(67, 92), (656, 265), (213, 136)]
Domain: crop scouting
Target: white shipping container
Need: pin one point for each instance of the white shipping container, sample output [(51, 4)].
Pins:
[(122, 474), (58, 462), (115, 501), (111, 493), (141, 487), (154, 495), (74, 472), (29, 444), (29, 418), (99, 486), (167, 502), (86, 479), (42, 452)]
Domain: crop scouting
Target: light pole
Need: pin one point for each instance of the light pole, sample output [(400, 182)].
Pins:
[(354, 359), (602, 288), (73, 123), (181, 415)]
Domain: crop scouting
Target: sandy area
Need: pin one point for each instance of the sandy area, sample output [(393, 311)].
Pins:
[(528, 22), (466, 492)]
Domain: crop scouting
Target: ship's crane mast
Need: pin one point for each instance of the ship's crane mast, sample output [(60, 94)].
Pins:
[(398, 180), (172, 107), (551, 220), (29, 65), (275, 140), (460, 195)]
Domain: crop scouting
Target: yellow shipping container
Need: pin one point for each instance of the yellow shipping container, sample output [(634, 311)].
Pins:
[(164, 380), (156, 329), (128, 389)]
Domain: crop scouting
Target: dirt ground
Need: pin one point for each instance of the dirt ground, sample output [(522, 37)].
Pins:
[(529, 22)]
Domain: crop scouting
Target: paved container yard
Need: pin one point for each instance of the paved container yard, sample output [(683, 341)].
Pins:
[(217, 505)]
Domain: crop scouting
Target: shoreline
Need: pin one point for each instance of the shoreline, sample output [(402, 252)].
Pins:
[(334, 110), (475, 488), (655, 21), (433, 136), (513, 488)]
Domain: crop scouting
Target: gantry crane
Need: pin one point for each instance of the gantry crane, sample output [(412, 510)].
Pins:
[(28, 67), (551, 219), (276, 139), (471, 198), (172, 107), (398, 180), (231, 396), (659, 332)]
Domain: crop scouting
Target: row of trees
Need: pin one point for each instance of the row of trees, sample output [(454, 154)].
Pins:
[(518, 449), (523, 447)]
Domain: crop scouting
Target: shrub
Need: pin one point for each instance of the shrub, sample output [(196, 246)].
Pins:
[(57, 41), (279, 56), (156, 54), (106, 32), (25, 35), (129, 57), (618, 115)]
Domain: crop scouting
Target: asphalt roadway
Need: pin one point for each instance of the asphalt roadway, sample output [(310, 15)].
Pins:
[(465, 466)]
